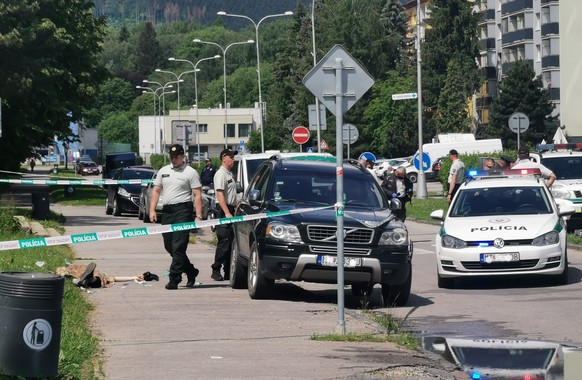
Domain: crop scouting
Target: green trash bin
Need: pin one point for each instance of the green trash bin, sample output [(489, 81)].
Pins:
[(31, 311)]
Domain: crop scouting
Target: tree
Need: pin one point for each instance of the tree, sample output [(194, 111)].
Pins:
[(49, 71), (114, 95), (393, 125), (452, 113), (451, 33), (521, 91), (148, 54), (119, 127)]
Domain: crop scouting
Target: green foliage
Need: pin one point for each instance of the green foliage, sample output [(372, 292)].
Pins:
[(452, 106), (8, 224), (148, 54), (393, 125), (119, 127), (114, 95), (452, 34), (49, 71), (521, 91), (159, 160)]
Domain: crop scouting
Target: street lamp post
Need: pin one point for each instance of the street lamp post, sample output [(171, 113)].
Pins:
[(196, 69), (224, 50), (256, 25), (149, 90), (178, 80), (162, 104)]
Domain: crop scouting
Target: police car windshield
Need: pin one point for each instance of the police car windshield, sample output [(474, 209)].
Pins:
[(501, 201), (569, 167)]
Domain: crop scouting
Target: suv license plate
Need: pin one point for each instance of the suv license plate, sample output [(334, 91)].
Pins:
[(488, 258), (331, 261)]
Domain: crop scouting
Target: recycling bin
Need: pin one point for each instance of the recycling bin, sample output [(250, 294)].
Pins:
[(40, 205), (55, 169), (31, 311)]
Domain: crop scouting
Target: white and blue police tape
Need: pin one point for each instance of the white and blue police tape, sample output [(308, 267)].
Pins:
[(140, 231), (97, 182)]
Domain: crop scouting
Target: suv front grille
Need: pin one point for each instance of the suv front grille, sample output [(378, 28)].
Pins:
[(352, 235), (332, 250)]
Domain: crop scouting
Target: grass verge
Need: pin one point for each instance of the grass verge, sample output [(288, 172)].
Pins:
[(393, 334)]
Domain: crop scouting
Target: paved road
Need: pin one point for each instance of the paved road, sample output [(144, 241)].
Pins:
[(213, 331)]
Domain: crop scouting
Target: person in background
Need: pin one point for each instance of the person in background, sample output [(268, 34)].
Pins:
[(180, 186), (207, 174), (369, 164), (398, 186), (32, 163), (525, 162), (225, 188), (489, 163), (456, 174), (505, 162)]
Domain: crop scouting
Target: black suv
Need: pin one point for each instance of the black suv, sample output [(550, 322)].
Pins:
[(303, 247)]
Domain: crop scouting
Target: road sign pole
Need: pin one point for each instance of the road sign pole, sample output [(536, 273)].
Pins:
[(421, 191), (339, 149), (518, 131)]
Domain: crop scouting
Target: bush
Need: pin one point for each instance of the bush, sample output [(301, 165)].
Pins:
[(8, 224)]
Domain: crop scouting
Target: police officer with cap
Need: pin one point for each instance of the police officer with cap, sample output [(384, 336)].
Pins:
[(225, 189), (180, 186)]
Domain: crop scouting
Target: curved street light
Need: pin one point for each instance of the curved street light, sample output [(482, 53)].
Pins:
[(256, 25), (196, 69), (149, 90), (224, 50)]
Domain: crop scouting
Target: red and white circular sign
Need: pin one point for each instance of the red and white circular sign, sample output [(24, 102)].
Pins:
[(301, 135)]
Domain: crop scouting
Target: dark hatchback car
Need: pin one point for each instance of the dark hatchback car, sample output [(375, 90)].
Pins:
[(88, 167), (124, 197), (303, 247)]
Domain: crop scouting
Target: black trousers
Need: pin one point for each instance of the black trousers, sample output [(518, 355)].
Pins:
[(176, 243), (224, 235)]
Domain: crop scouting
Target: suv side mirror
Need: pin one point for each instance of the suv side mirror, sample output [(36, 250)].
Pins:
[(395, 204), (254, 195), (239, 188)]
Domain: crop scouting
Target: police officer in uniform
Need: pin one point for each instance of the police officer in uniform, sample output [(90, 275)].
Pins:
[(180, 186), (225, 189)]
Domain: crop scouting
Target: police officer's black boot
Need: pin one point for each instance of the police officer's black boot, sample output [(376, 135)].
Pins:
[(173, 283), (192, 273)]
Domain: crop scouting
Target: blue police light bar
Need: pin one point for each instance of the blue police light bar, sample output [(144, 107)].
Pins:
[(558, 146), (494, 173)]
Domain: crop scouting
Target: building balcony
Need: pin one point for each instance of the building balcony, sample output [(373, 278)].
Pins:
[(550, 28), (488, 72), (487, 44), (550, 61), (516, 6), (507, 66), (517, 36), (555, 93)]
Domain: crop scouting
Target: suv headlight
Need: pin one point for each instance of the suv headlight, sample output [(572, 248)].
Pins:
[(397, 236), (449, 241), (284, 232), (560, 191), (551, 237), (121, 191)]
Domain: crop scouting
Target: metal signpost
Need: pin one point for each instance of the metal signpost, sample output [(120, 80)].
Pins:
[(350, 135), (518, 122), (338, 82)]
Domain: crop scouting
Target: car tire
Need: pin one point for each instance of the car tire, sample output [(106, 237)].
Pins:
[(237, 270), (140, 212), (413, 177), (445, 283), (146, 216), (116, 210), (362, 289), (397, 295), (258, 285), (108, 210)]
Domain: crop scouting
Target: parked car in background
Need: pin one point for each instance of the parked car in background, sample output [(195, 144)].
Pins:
[(386, 166), (436, 168), (88, 168), (117, 160), (125, 197), (79, 161), (303, 247)]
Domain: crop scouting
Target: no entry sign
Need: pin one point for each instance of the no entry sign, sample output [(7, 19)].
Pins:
[(301, 135)]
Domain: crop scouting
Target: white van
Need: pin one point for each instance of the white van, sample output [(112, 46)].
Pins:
[(441, 149)]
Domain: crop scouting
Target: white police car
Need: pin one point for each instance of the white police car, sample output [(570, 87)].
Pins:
[(499, 224)]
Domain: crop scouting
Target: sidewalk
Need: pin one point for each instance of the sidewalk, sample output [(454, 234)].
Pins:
[(213, 331)]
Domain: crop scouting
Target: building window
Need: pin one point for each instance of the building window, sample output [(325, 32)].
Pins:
[(244, 130), (538, 53), (538, 21), (230, 129), (546, 15), (546, 48), (203, 128)]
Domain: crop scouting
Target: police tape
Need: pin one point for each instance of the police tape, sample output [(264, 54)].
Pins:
[(97, 182), (141, 231)]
